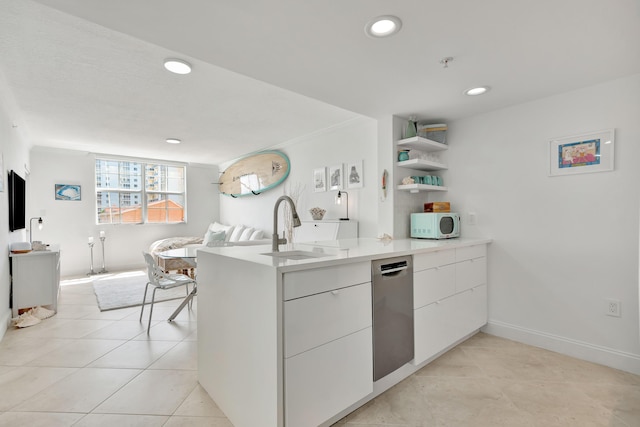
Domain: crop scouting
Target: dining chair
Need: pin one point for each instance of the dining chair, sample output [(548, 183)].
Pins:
[(161, 280)]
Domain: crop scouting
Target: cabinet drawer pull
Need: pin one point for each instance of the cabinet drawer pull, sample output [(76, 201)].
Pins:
[(335, 292)]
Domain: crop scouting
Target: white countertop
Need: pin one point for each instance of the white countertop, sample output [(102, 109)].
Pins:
[(340, 251)]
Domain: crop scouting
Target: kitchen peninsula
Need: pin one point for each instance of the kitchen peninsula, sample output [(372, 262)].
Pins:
[(285, 338)]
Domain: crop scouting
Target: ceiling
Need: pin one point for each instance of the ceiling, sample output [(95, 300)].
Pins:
[(88, 75)]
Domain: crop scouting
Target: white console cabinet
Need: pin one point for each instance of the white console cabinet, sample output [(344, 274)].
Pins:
[(450, 298), (312, 231), (35, 279)]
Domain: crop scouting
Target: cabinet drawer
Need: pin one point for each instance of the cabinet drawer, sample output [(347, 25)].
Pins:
[(328, 379), (433, 259), (471, 252), (471, 273), (432, 329), (439, 325), (472, 310), (308, 282), (433, 285), (312, 231), (315, 320)]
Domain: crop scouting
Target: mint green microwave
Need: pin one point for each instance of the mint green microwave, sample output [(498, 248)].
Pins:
[(435, 225)]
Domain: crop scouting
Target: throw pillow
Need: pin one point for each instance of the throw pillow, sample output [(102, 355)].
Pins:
[(216, 226), (256, 235), (211, 238), (246, 234), (237, 232)]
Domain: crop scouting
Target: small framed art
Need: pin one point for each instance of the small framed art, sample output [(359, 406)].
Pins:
[(335, 177), (584, 153), (319, 180), (67, 192), (354, 174)]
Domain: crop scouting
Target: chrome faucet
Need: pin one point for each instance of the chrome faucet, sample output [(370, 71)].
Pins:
[(296, 222)]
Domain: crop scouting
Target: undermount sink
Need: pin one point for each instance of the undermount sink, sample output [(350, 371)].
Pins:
[(296, 254)]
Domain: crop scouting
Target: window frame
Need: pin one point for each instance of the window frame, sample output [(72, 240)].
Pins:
[(143, 191)]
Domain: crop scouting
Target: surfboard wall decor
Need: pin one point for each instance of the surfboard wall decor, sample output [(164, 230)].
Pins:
[(255, 174)]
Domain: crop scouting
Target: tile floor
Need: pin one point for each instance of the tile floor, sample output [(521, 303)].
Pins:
[(87, 368)]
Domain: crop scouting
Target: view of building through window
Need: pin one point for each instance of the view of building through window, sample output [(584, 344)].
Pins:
[(130, 192)]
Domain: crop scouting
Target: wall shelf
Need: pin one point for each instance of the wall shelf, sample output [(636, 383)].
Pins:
[(416, 188), (423, 165), (422, 144)]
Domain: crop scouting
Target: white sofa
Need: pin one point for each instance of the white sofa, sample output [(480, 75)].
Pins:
[(216, 235)]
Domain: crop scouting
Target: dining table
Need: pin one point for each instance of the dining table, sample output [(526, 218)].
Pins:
[(189, 256)]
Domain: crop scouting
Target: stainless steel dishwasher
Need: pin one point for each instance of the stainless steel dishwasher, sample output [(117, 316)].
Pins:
[(392, 314)]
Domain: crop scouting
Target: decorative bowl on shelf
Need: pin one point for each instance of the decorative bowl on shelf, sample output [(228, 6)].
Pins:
[(317, 213)]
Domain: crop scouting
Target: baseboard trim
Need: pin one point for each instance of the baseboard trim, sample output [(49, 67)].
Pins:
[(613, 358), (5, 322)]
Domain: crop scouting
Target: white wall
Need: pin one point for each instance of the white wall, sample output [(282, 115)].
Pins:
[(562, 245), (353, 141), (70, 223), (14, 153), (386, 162)]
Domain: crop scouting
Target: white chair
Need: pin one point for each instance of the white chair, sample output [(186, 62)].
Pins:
[(161, 280)]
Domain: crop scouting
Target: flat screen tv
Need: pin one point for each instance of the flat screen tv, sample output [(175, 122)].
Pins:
[(17, 197)]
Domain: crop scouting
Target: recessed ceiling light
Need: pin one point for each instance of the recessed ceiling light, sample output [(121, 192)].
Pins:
[(383, 26), (477, 91), (177, 66), (173, 141)]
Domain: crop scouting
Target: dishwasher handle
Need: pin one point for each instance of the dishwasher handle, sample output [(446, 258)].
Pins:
[(393, 268)]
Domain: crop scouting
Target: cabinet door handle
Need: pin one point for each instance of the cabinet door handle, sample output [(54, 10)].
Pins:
[(438, 302), (335, 292)]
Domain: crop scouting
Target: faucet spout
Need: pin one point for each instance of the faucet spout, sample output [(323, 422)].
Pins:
[(275, 240)]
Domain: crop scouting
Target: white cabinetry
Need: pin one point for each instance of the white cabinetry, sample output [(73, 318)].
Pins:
[(450, 298), (328, 356), (310, 231), (35, 279)]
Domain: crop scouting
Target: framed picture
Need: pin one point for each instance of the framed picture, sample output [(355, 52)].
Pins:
[(584, 153), (320, 180), (67, 192), (354, 174), (335, 177)]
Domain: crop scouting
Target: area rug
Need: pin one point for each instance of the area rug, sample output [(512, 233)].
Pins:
[(127, 289)]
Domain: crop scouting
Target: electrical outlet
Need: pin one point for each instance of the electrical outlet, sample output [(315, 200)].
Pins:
[(613, 307), (472, 218)]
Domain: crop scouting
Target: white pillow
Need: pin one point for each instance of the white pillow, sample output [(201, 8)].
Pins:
[(229, 232), (216, 226), (237, 232), (246, 234), (256, 235), (211, 238)]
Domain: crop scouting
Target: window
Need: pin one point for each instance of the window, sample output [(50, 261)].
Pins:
[(136, 192)]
